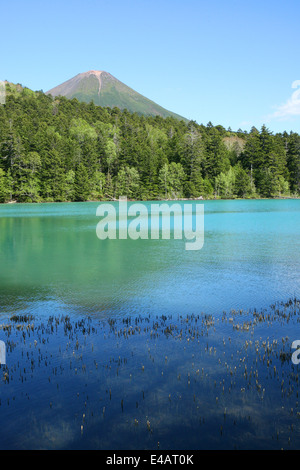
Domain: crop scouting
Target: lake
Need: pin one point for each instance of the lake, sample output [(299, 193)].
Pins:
[(141, 344)]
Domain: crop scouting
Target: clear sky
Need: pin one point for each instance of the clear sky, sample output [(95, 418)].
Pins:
[(234, 63)]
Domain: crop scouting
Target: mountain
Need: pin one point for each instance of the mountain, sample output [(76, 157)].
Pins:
[(105, 90)]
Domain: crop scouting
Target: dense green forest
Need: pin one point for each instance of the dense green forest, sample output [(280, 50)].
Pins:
[(64, 150)]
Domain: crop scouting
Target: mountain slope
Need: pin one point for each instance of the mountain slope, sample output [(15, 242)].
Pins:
[(105, 90)]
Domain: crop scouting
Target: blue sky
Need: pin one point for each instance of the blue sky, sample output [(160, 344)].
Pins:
[(234, 63)]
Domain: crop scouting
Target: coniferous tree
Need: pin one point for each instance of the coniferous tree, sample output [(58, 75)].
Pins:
[(3, 186), (81, 183), (293, 161)]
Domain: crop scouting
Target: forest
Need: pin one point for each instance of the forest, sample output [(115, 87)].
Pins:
[(57, 150)]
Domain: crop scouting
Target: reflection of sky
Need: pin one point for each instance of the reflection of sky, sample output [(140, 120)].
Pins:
[(84, 383)]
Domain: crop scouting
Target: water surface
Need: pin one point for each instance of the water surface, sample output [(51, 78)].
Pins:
[(140, 344), (50, 257)]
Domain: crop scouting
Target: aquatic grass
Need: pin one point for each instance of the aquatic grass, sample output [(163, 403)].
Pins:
[(183, 381)]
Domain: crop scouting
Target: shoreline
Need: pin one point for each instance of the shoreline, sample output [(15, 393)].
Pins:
[(155, 200)]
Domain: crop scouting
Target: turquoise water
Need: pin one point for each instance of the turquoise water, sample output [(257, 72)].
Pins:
[(50, 255), (132, 344)]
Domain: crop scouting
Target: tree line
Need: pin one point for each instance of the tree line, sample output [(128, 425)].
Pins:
[(56, 150)]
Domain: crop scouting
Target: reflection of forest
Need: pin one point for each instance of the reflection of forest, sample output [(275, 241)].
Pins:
[(62, 256), (50, 257)]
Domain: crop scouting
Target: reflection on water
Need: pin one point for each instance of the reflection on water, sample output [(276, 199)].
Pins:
[(50, 253), (151, 382), (141, 344)]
